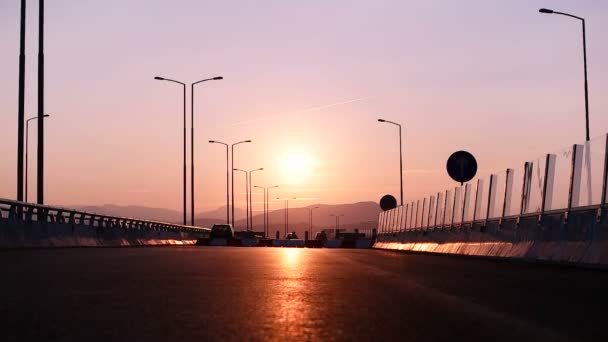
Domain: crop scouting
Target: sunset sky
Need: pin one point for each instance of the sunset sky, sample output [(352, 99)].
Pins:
[(306, 81)]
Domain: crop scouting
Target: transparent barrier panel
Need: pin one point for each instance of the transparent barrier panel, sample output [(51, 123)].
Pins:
[(408, 216), (415, 214), (482, 206), (425, 212), (431, 221), (500, 180), (514, 202), (439, 210), (534, 193), (457, 206), (592, 179), (402, 219), (449, 202), (561, 180), (469, 201)]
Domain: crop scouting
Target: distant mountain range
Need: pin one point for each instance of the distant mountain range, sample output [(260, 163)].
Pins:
[(360, 215)]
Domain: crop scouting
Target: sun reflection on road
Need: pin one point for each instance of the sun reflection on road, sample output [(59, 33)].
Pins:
[(290, 303)]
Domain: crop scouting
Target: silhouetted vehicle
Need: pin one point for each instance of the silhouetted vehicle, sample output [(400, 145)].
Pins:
[(292, 236), (221, 231), (321, 236)]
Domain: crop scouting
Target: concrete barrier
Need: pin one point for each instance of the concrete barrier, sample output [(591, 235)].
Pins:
[(574, 238), (288, 243), (44, 235)]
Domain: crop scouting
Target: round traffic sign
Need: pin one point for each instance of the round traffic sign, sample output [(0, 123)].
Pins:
[(388, 202), (462, 166)]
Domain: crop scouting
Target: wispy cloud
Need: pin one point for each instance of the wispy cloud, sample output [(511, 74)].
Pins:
[(304, 110)]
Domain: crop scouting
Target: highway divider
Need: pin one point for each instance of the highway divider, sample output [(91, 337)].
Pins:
[(31, 225)]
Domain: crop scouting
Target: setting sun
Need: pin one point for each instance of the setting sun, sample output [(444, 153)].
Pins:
[(296, 167)]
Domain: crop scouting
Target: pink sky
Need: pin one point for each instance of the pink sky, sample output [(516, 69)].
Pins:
[(306, 82)]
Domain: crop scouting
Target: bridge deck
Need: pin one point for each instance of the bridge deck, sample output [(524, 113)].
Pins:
[(187, 293)]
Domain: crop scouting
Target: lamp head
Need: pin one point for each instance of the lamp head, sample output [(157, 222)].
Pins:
[(46, 115), (212, 141), (381, 120), (217, 78), (247, 141), (546, 11), (159, 78)]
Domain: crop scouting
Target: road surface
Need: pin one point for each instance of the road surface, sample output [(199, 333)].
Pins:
[(224, 294)]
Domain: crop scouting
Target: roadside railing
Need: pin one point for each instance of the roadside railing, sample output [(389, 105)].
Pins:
[(568, 185), (22, 213)]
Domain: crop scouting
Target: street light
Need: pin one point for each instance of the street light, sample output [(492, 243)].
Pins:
[(227, 183), (250, 197), (192, 143), (337, 220), (246, 196), (400, 156), (248, 193), (184, 86), (549, 11), (232, 174), (286, 213), (266, 189), (27, 129), (310, 220)]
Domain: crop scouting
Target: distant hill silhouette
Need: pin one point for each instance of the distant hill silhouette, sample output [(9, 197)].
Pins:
[(356, 215)]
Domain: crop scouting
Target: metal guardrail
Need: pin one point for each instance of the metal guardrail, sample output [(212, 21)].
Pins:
[(30, 213), (569, 183)]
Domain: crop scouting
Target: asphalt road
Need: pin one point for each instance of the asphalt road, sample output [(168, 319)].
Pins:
[(223, 294)]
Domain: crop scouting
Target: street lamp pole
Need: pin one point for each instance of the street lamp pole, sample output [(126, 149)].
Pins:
[(310, 220), (184, 181), (264, 191), (286, 213), (232, 174), (227, 184), (192, 144), (266, 206), (400, 156), (251, 197), (337, 220), (21, 103), (246, 196), (40, 164), (27, 130), (548, 11)]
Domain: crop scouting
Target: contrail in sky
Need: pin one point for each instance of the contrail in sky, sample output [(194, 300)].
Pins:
[(305, 110)]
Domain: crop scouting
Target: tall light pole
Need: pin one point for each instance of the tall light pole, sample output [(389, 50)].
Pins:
[(232, 175), (310, 220), (548, 11), (337, 220), (265, 189), (268, 206), (21, 104), (250, 197), (286, 213), (227, 183), (400, 156), (184, 86), (40, 164), (192, 143), (246, 196), (27, 130)]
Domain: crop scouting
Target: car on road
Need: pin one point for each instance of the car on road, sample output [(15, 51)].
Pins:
[(221, 231), (292, 236), (321, 236)]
